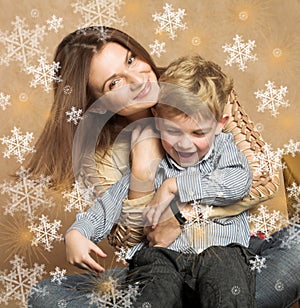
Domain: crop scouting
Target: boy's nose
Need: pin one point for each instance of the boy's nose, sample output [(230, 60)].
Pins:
[(184, 143)]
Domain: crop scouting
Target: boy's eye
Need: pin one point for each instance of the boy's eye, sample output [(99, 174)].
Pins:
[(173, 132), (200, 134)]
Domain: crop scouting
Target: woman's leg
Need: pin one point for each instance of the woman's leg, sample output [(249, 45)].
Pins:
[(75, 291), (278, 283)]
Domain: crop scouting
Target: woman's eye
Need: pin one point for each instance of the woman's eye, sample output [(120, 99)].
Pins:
[(131, 59), (113, 84)]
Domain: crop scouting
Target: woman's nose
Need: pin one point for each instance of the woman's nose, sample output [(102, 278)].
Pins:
[(134, 77)]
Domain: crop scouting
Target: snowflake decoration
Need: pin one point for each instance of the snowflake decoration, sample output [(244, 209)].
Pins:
[(44, 74), (18, 145), (292, 148), (239, 52), (74, 115), (292, 237), (294, 191), (46, 232), (79, 198), (258, 263), (26, 195), (265, 222), (67, 90), (114, 297), (58, 275), (4, 100), (99, 12), (121, 255), (271, 98), (19, 281), (170, 21), (199, 214), (268, 161), (62, 303), (22, 44), (55, 23), (157, 48), (101, 31)]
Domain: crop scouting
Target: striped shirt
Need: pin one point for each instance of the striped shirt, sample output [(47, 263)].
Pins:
[(221, 178)]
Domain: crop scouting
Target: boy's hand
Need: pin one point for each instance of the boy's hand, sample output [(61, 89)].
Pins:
[(161, 200), (167, 230), (78, 249)]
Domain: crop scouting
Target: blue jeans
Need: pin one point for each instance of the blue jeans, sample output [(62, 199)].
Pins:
[(277, 285)]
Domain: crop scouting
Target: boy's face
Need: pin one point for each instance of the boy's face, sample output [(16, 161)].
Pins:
[(185, 139)]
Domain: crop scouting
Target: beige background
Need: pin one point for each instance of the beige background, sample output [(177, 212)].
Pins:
[(273, 24)]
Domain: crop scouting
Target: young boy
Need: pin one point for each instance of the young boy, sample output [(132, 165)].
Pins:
[(210, 171)]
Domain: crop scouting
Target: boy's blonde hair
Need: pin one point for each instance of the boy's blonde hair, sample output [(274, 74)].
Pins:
[(191, 84)]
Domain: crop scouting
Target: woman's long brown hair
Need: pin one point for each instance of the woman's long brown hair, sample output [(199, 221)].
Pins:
[(53, 156)]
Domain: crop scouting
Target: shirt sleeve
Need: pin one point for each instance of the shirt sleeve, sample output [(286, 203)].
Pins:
[(229, 180), (97, 222)]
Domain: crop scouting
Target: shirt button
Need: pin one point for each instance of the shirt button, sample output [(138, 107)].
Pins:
[(220, 194), (191, 193), (193, 169)]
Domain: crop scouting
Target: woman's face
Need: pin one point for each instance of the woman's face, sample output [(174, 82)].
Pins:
[(128, 84)]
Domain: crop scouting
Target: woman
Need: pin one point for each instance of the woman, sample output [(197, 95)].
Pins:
[(97, 61)]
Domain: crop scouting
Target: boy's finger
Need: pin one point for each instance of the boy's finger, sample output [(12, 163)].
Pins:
[(91, 263), (98, 251)]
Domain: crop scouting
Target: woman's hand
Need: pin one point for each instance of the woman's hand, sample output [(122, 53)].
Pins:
[(166, 232), (78, 249)]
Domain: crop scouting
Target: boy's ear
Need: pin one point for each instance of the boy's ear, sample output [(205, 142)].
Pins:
[(221, 124)]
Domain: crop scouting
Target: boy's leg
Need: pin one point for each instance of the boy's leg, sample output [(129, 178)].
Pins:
[(75, 291), (278, 283), (158, 272), (224, 278)]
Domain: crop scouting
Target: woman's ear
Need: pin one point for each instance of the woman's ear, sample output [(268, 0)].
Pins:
[(154, 112), (156, 117), (221, 124)]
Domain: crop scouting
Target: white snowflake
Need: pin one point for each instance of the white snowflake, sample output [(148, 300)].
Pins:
[(55, 23), (99, 12), (79, 198), (116, 298), (157, 48), (18, 145), (45, 232), (26, 195), (121, 255), (292, 148), (62, 303), (18, 282), (170, 21), (258, 263), (294, 191), (292, 237), (22, 44), (74, 115), (268, 161), (58, 275), (265, 222), (102, 32), (199, 214), (272, 98), (4, 100), (239, 52), (44, 74)]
